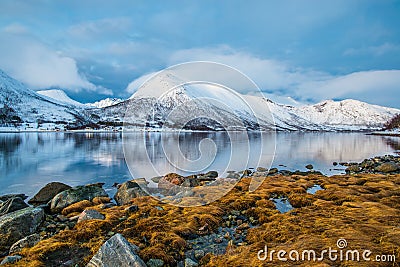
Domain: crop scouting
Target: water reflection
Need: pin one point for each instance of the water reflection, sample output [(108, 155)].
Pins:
[(30, 160)]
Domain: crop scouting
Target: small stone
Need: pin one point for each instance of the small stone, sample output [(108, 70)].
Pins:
[(10, 259), (239, 222), (25, 242), (212, 174), (49, 191), (335, 163), (309, 167), (198, 254), (218, 240), (159, 208), (190, 263), (132, 209), (228, 223)]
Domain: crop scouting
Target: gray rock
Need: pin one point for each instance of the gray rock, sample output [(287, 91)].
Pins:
[(387, 167), (127, 191), (6, 197), (155, 263), (26, 242), (12, 204), (49, 191), (90, 215), (190, 263), (19, 224), (76, 194), (10, 259), (198, 254), (115, 252)]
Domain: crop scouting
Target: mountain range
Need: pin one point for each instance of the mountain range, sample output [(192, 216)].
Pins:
[(192, 107)]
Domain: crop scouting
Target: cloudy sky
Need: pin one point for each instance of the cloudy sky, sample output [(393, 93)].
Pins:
[(308, 50)]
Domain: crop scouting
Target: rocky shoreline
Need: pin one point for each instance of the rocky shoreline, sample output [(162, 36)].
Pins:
[(83, 226)]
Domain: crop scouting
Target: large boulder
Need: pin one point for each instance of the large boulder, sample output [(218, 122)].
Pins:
[(127, 191), (19, 224), (387, 167), (115, 252), (12, 204), (47, 192), (76, 194)]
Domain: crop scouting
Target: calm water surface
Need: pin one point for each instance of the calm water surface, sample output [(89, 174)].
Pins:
[(30, 160)]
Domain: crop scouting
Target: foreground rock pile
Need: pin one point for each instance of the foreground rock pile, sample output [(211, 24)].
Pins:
[(81, 226)]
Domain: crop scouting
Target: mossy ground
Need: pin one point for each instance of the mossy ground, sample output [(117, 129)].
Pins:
[(364, 209)]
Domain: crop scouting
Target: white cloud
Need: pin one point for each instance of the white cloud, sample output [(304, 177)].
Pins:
[(39, 67)]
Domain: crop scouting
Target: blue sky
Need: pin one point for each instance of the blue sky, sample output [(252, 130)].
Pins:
[(308, 50)]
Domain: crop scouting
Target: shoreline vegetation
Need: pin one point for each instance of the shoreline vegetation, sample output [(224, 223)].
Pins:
[(83, 226)]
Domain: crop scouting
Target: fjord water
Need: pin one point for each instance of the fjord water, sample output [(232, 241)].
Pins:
[(30, 160)]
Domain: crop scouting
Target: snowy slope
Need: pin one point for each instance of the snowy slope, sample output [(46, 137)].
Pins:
[(60, 96), (18, 103), (105, 103)]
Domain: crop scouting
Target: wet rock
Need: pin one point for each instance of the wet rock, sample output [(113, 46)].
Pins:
[(387, 167), (26, 242), (262, 169), (7, 197), (10, 259), (12, 204), (335, 163), (19, 224), (90, 215), (127, 191), (190, 263), (155, 263), (49, 191), (156, 179), (74, 195), (309, 167), (115, 252)]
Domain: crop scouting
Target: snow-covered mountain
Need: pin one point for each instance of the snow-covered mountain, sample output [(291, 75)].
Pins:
[(189, 106), (105, 103), (20, 104), (154, 105), (60, 96)]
